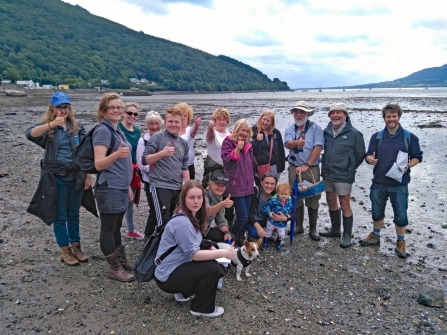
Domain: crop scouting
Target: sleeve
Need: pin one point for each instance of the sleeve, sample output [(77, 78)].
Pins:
[(359, 149), (226, 151), (185, 237), (151, 148), (268, 207), (318, 136), (101, 136), (82, 132), (220, 219), (288, 135), (371, 146), (414, 149), (41, 141), (281, 154), (140, 150), (185, 156)]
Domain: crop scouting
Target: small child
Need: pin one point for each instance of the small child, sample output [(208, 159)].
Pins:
[(279, 203)]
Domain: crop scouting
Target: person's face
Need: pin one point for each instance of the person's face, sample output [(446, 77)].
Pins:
[(242, 133), (194, 200), (185, 120), (173, 123), (300, 117), (62, 110), (391, 120), (338, 118), (114, 110), (130, 115), (268, 184), (218, 188), (221, 124), (283, 196), (266, 122), (154, 127)]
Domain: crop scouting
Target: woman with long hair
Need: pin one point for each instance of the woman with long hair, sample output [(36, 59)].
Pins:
[(187, 270), (59, 134)]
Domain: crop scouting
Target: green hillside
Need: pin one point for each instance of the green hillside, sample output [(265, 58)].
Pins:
[(55, 42)]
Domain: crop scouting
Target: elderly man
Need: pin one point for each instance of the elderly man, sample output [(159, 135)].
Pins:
[(305, 140), (344, 150), (384, 148)]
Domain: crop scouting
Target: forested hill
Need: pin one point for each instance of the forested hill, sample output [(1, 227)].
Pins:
[(56, 42)]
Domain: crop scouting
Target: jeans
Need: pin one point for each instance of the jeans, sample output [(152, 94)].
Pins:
[(66, 222), (128, 215), (398, 195), (241, 206), (252, 230)]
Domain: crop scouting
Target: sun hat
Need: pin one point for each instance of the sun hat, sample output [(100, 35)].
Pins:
[(304, 106), (219, 178), (60, 98), (338, 106)]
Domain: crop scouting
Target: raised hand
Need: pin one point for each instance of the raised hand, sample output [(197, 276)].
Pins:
[(260, 136), (228, 202), (58, 121), (168, 150), (240, 144), (301, 141), (372, 159), (211, 124), (198, 121), (123, 152)]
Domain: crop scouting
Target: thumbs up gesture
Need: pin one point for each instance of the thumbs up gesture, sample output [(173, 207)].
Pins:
[(372, 159), (260, 136), (168, 150), (301, 141), (227, 202), (198, 121), (123, 151), (58, 121)]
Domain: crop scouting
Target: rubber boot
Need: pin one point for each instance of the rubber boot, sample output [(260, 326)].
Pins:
[(77, 252), (121, 255), (116, 270), (335, 224), (313, 216), (278, 245), (67, 256), (265, 244), (299, 228), (347, 231)]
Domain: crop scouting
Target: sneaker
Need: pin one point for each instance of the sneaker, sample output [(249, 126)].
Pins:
[(220, 283), (135, 234), (218, 311), (179, 297), (400, 249), (371, 240)]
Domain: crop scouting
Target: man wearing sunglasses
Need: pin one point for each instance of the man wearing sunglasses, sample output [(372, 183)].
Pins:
[(305, 140)]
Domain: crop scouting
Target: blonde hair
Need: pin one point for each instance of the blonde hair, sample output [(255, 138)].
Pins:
[(271, 114), (133, 104), (283, 188), (184, 107), (153, 116), (50, 115), (221, 112), (102, 108), (238, 126)]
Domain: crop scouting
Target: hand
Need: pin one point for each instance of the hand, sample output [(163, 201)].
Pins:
[(260, 135), (261, 232), (227, 237), (302, 168), (231, 253), (130, 194), (228, 203), (240, 144), (301, 141), (211, 124), (58, 121), (122, 152), (198, 121), (372, 159), (88, 182), (280, 217), (168, 150)]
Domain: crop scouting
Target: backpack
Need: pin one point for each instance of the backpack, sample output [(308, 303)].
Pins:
[(84, 154), (407, 138), (146, 263)]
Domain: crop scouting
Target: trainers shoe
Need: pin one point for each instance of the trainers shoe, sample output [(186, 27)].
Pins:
[(135, 234), (179, 297), (400, 249), (220, 283), (370, 240), (218, 311)]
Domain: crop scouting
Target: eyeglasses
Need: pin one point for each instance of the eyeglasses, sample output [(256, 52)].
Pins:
[(130, 114), (222, 178), (111, 108), (63, 108)]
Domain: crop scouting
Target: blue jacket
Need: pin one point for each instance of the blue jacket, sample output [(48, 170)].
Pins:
[(274, 205)]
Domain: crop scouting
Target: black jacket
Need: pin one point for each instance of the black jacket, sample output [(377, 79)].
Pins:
[(261, 150)]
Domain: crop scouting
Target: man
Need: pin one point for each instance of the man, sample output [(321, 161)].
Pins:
[(344, 150), (383, 151), (305, 140)]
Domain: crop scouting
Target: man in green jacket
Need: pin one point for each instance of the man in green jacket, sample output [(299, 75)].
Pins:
[(344, 150)]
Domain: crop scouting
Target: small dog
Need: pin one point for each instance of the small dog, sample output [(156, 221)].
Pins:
[(245, 256)]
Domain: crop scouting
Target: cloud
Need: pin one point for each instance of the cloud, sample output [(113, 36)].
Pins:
[(334, 54), (439, 24), (258, 38), (325, 38), (160, 7), (362, 11)]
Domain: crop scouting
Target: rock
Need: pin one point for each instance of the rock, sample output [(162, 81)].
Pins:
[(444, 226), (430, 295)]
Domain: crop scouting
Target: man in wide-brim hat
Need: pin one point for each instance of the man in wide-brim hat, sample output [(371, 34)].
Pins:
[(305, 140)]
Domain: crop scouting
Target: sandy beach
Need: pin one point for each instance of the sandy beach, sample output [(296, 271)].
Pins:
[(309, 288)]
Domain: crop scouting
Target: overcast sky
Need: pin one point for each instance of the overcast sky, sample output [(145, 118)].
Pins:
[(305, 43)]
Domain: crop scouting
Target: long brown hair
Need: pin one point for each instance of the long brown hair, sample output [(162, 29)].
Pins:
[(102, 108), (50, 115), (271, 114), (199, 220)]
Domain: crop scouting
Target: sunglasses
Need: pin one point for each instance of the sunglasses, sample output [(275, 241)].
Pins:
[(222, 179), (130, 114), (62, 108), (270, 174)]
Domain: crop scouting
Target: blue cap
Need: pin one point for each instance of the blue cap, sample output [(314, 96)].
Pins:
[(60, 98)]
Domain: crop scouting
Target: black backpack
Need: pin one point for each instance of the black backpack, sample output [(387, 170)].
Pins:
[(84, 154)]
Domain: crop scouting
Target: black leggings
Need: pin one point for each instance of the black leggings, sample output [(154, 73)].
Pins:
[(199, 278), (110, 234)]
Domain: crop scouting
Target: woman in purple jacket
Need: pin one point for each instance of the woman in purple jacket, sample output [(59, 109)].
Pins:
[(237, 157)]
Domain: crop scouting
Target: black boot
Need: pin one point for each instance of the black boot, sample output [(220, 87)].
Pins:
[(313, 216), (278, 244), (335, 224), (347, 231), (265, 244), (299, 229)]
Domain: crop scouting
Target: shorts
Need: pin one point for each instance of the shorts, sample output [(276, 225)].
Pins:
[(398, 195), (335, 186)]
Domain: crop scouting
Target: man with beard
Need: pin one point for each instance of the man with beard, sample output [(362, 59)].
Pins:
[(384, 148), (344, 150), (305, 140)]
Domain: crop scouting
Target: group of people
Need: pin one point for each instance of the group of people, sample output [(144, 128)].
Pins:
[(238, 197)]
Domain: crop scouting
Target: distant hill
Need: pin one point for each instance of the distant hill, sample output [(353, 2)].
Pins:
[(55, 42)]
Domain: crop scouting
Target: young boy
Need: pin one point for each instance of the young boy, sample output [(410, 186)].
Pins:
[(279, 203), (167, 155)]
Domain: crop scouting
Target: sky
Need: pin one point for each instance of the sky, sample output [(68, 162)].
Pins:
[(310, 44)]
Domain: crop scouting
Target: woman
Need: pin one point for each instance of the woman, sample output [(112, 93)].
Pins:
[(237, 157), (153, 122), (113, 191), (268, 147), (189, 133), (133, 135), (187, 270), (59, 134)]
